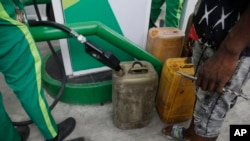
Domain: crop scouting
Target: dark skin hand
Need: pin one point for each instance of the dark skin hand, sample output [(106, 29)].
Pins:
[(219, 68)]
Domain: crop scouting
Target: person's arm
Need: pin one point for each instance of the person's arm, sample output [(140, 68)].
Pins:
[(218, 69)]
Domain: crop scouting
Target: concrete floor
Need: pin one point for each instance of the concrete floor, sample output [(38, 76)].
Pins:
[(95, 122)]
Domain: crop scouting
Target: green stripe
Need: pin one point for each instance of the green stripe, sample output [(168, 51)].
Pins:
[(179, 12), (69, 3), (37, 59)]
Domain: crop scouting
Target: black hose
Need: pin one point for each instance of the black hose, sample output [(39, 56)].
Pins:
[(51, 24), (37, 10), (49, 12)]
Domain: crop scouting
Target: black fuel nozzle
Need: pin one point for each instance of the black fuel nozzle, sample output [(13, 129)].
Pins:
[(107, 58)]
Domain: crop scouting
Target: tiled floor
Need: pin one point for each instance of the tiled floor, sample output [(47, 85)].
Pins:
[(95, 122)]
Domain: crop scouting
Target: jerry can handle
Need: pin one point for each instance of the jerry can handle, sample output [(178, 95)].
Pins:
[(188, 63), (137, 70), (187, 66)]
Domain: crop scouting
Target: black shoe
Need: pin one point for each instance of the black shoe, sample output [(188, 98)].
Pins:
[(77, 139), (64, 129), (24, 132)]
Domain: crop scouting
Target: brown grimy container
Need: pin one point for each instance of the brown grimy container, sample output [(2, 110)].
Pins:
[(165, 42), (133, 94)]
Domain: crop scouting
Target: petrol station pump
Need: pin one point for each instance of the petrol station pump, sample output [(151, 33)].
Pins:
[(94, 36), (106, 24), (116, 26)]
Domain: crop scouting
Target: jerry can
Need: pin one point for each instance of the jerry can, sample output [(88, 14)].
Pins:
[(176, 94), (133, 94), (165, 42)]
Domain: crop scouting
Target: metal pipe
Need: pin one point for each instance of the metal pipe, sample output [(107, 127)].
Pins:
[(193, 78)]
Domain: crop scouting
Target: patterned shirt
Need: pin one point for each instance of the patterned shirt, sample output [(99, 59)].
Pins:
[(214, 19)]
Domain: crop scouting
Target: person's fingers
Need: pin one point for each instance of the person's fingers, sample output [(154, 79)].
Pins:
[(220, 87), (205, 82), (212, 87), (204, 85)]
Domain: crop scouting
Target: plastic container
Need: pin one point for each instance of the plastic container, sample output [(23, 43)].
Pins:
[(165, 42), (176, 94), (133, 94)]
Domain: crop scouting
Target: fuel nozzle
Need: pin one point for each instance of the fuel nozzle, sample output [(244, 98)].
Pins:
[(107, 58)]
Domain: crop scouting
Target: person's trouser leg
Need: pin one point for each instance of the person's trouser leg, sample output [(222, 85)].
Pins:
[(7, 131), (155, 11), (20, 63), (211, 108), (173, 13)]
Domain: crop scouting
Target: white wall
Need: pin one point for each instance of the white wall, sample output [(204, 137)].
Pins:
[(133, 18), (188, 8)]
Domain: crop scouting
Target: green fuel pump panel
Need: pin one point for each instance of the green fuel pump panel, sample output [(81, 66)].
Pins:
[(91, 10), (90, 93), (95, 20)]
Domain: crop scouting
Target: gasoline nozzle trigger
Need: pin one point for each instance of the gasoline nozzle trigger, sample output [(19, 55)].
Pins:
[(104, 57)]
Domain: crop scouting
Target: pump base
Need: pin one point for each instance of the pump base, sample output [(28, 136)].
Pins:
[(78, 90)]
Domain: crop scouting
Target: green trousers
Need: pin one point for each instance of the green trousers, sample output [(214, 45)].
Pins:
[(173, 12), (20, 63)]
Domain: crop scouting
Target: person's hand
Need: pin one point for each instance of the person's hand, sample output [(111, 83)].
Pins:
[(218, 69), (216, 72)]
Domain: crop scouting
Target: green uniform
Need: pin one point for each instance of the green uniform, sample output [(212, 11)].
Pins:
[(20, 63), (173, 12)]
